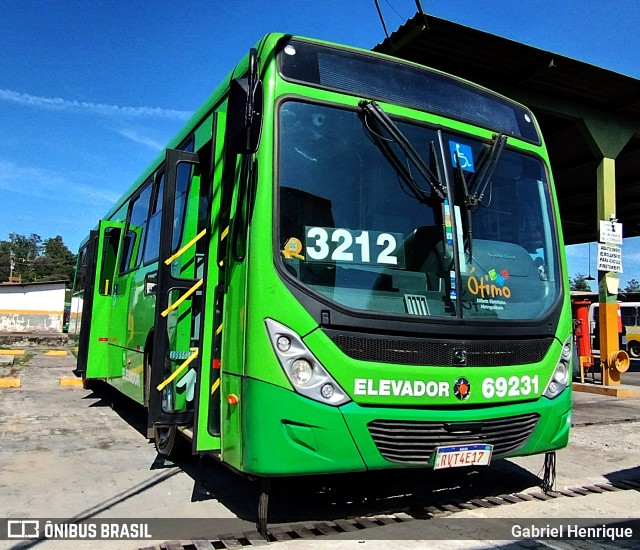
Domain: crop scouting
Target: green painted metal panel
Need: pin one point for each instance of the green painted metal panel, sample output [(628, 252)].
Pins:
[(97, 358), (286, 434), (206, 428)]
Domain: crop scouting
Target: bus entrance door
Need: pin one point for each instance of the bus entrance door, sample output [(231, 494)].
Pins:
[(102, 254), (176, 349)]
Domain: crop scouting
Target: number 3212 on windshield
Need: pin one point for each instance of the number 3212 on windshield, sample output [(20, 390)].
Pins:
[(328, 244)]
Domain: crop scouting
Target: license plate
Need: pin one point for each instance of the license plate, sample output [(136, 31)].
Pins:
[(456, 456)]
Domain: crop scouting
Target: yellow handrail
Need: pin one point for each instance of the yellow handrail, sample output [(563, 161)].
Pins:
[(179, 369), (182, 298), (186, 247)]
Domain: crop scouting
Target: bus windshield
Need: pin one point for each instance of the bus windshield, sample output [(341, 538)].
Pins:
[(361, 227)]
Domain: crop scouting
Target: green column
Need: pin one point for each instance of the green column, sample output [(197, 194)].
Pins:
[(607, 281), (607, 135)]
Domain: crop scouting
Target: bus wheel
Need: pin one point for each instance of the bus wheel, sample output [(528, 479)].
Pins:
[(165, 439), (634, 349)]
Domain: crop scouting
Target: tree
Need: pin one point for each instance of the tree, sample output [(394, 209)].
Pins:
[(632, 286), (25, 251), (580, 283), (5, 260), (35, 260), (57, 263)]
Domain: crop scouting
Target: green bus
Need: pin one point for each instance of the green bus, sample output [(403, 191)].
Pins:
[(343, 262)]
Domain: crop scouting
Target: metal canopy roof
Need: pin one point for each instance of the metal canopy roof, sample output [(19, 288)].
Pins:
[(584, 111)]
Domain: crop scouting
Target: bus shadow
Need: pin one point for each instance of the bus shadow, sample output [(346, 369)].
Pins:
[(628, 474), (329, 497), (131, 412)]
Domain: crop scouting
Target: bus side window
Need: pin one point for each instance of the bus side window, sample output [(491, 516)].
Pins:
[(81, 270), (628, 314), (183, 181), (152, 246), (108, 262), (182, 190), (136, 229)]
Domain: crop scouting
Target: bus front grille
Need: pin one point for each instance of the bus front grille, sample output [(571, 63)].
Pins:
[(414, 351), (412, 442)]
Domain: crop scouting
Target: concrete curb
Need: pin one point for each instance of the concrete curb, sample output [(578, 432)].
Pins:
[(623, 390), (70, 382), (11, 352), (9, 382), (59, 352)]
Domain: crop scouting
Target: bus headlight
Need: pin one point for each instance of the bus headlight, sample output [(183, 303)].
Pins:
[(301, 372), (306, 374), (283, 343), (327, 391), (560, 377)]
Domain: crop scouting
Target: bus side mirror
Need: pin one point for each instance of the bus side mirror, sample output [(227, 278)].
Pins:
[(244, 111)]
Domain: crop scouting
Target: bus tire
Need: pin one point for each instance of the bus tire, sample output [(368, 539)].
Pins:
[(165, 440), (634, 349), (169, 444)]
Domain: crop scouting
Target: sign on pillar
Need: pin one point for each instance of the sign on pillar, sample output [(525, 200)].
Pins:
[(609, 265), (610, 231)]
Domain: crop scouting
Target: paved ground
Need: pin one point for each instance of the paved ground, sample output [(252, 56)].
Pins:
[(67, 453)]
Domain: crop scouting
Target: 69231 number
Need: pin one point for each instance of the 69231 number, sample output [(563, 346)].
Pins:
[(514, 386)]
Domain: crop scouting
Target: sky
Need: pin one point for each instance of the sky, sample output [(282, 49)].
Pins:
[(91, 90)]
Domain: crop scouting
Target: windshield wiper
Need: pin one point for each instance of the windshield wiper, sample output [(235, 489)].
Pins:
[(482, 177), (480, 180), (372, 109)]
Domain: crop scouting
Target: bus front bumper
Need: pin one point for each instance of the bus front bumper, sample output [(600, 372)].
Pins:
[(287, 434)]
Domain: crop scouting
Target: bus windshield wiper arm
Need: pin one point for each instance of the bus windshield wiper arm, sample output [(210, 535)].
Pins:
[(372, 109), (485, 172), (402, 170), (481, 178)]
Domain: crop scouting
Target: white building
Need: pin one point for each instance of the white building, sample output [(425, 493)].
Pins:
[(32, 307)]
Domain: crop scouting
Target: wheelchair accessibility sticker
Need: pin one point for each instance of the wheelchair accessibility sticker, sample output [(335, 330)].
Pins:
[(461, 153)]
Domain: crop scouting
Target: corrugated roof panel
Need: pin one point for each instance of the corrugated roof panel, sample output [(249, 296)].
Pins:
[(548, 83)]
